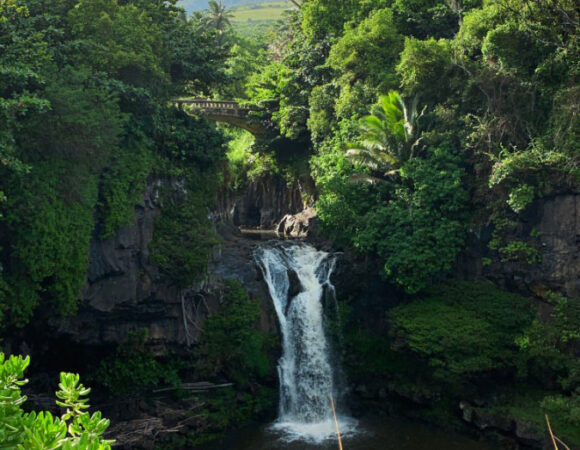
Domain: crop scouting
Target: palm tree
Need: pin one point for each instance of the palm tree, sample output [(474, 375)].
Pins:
[(218, 16), (389, 138)]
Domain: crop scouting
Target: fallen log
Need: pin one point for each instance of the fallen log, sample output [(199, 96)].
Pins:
[(201, 386)]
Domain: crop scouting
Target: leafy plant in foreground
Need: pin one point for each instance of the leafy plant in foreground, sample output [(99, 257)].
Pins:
[(75, 429)]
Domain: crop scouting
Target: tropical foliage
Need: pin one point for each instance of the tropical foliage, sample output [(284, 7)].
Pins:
[(74, 429), (490, 82), (86, 124), (389, 138), (458, 116)]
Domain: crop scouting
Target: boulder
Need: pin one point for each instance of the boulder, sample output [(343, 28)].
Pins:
[(296, 225), (295, 286), (484, 419), (528, 433)]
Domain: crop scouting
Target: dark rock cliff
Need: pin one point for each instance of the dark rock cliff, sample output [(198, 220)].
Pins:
[(552, 226), (124, 290), (263, 203)]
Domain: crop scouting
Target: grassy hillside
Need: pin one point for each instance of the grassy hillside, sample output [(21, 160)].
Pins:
[(195, 5), (257, 18), (269, 11), (250, 17)]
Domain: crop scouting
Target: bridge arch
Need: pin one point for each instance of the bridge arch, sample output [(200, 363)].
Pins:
[(226, 111)]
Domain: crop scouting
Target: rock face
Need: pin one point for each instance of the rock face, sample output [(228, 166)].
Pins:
[(559, 228), (125, 292), (262, 204), (556, 222)]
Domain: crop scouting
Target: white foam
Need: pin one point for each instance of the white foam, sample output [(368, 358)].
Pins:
[(317, 432)]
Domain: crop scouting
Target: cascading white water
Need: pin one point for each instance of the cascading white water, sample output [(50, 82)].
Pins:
[(296, 275)]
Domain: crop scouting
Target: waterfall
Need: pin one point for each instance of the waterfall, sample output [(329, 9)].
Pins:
[(297, 275)]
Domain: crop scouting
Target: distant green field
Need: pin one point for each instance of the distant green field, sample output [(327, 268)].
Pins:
[(256, 29), (266, 11)]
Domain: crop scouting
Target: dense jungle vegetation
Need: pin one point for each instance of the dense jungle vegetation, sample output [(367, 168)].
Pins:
[(86, 120), (427, 119), (418, 120)]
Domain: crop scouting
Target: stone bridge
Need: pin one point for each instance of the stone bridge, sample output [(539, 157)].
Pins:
[(226, 111)]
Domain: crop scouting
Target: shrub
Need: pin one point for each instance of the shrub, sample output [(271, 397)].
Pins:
[(230, 344), (75, 429), (462, 328), (419, 232), (133, 369), (183, 238)]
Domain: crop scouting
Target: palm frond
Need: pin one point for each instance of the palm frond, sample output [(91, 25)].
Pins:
[(372, 142), (364, 178), (363, 158), (372, 123), (388, 136)]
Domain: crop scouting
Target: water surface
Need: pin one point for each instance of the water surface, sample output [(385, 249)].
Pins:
[(373, 434), (297, 276)]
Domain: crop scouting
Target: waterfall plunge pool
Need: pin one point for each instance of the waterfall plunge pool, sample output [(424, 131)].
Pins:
[(372, 434), (297, 276)]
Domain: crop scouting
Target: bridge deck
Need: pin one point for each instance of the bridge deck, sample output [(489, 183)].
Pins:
[(226, 111), (213, 104)]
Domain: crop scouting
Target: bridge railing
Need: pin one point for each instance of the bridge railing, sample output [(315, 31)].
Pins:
[(212, 104), (226, 111)]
